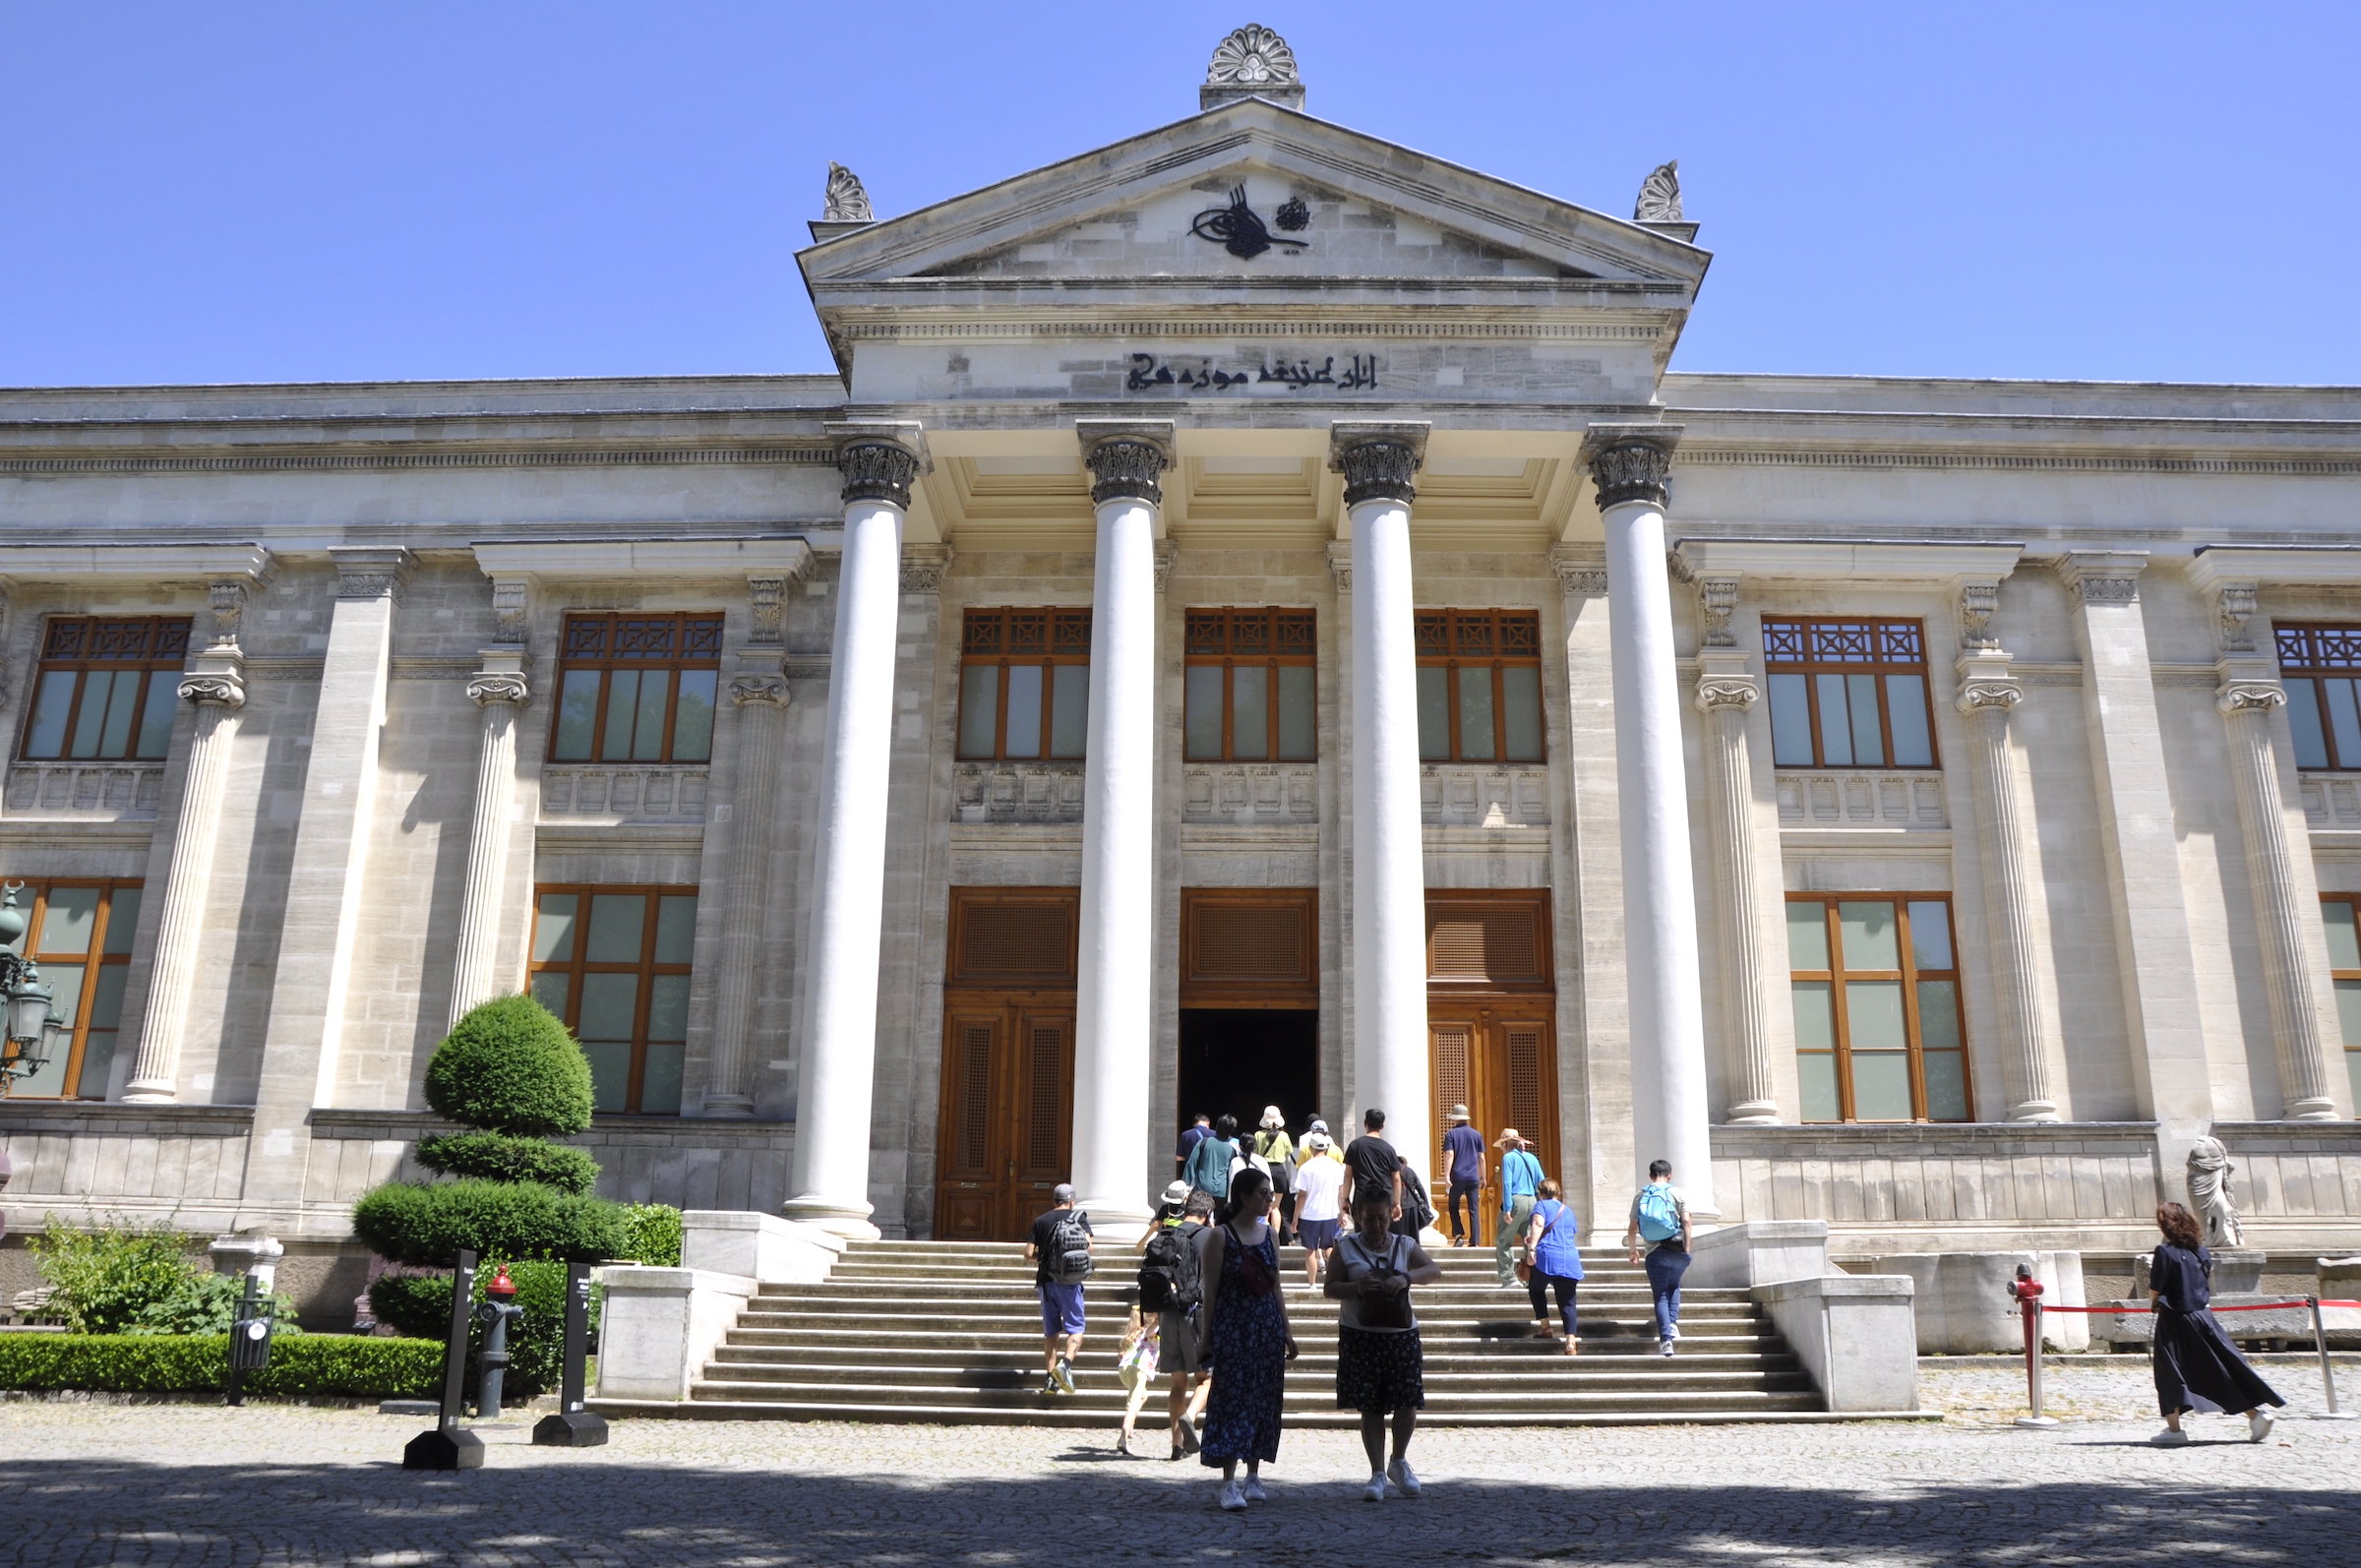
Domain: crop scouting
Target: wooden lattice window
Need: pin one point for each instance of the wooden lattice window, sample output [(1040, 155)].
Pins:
[(1015, 941), (1045, 1082), (1024, 683), (1847, 692), (1524, 1076), (975, 1095), (1249, 947), (2321, 668), (1493, 942), (637, 688), (81, 933), (1453, 1082), (107, 688), (1480, 686), (1250, 687), (1876, 990), (614, 963)]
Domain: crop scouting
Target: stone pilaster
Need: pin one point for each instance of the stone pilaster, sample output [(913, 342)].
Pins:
[(216, 683), (1988, 693), (759, 700), (1726, 692), (501, 688)]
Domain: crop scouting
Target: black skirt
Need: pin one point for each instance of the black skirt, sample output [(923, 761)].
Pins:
[(1379, 1374), (2198, 1368)]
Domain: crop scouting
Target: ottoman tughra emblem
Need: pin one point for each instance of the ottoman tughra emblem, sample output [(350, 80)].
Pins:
[(1237, 228)]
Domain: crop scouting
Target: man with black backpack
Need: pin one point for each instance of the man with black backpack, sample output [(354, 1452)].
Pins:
[(1171, 1286), (1060, 1249)]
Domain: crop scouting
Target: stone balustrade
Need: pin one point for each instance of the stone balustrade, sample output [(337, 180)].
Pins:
[(635, 794), (1459, 796), (1246, 793), (2331, 800), (1863, 798), (121, 790), (1016, 792)]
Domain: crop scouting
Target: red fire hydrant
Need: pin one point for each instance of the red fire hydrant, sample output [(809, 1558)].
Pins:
[(491, 1363), (2026, 1290)]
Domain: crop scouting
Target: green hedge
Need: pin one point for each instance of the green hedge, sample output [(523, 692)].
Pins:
[(655, 1235), (425, 1227), (333, 1364), (419, 1304), (497, 1157)]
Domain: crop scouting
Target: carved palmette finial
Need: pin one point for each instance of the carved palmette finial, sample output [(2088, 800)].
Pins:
[(847, 200), (1251, 56), (1659, 196)]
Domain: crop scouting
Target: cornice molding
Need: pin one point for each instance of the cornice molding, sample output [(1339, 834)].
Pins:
[(643, 557), (2010, 461), (814, 456), (1427, 327)]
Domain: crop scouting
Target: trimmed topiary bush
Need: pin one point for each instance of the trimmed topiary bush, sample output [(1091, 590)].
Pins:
[(331, 1364), (426, 1225), (498, 1157), (509, 1067)]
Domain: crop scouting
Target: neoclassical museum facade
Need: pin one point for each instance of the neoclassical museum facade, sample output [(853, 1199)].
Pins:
[(1253, 615)]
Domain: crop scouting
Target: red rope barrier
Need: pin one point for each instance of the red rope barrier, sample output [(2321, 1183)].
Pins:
[(2260, 1306)]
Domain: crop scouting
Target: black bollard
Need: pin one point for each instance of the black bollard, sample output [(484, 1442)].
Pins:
[(573, 1427), (491, 1363), (447, 1446)]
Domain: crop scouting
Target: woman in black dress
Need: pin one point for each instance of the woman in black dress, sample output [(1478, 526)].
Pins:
[(2197, 1366)]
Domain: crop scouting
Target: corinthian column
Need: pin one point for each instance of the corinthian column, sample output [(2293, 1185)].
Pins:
[(879, 461), (1629, 464), (217, 684), (1390, 865), (1988, 693), (499, 688), (1114, 987), (1725, 694), (2248, 698), (759, 697)]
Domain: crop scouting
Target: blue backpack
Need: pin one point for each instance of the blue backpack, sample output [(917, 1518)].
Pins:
[(1660, 1215)]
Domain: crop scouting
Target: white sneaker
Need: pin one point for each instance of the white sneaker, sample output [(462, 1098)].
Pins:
[(1233, 1500), (1374, 1491), (1405, 1480), (1675, 1333), (2170, 1437), (1252, 1490), (2260, 1424), (1663, 1346)]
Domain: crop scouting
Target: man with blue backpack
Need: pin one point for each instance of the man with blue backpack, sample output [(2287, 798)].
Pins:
[(1659, 1218)]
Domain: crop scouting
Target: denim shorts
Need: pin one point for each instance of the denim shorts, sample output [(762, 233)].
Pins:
[(1060, 1309), (1318, 1234)]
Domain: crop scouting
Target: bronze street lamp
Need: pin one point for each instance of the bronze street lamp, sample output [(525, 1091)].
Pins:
[(36, 1037)]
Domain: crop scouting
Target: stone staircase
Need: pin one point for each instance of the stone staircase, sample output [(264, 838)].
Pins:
[(950, 1332)]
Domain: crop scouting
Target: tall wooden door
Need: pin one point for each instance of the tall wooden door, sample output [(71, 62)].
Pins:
[(1006, 1136), (1491, 996)]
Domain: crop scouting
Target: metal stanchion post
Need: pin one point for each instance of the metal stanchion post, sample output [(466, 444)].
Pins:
[(573, 1427), (448, 1446), (2028, 1292), (2327, 1373)]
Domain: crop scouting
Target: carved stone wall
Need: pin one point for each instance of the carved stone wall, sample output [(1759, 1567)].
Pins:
[(627, 794), (1462, 796), (1016, 792), (1862, 798), (1250, 792)]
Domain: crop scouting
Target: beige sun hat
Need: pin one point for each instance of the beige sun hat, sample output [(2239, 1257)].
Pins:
[(1177, 1192), (1509, 1138), (1459, 1113), (1272, 1120)]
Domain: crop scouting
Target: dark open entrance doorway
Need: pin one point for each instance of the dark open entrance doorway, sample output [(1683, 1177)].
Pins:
[(1235, 1061)]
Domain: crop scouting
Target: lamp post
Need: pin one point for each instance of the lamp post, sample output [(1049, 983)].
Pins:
[(34, 1037)]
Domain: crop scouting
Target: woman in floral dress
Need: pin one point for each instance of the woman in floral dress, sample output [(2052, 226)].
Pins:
[(1247, 1343)]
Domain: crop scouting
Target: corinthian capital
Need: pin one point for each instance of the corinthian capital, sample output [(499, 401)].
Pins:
[(498, 687), (1377, 458), (879, 459), (2251, 697), (1126, 457), (1630, 463), (223, 691)]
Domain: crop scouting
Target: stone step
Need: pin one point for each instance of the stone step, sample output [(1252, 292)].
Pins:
[(894, 1343), (1502, 1355), (1667, 1402), (1526, 1378), (910, 1414)]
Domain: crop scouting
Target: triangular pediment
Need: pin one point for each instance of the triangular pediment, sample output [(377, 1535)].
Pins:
[(1248, 197)]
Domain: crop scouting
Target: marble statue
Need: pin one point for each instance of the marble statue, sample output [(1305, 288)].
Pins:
[(2210, 1170), (847, 202), (1659, 196)]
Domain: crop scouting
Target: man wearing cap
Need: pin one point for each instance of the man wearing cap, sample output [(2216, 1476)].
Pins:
[(1463, 1151), (1319, 1182), (1189, 1214), (1061, 1315), (1519, 1187)]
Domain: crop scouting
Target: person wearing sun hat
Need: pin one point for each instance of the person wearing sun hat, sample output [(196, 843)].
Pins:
[(1278, 1153), (1463, 1155), (1520, 1190)]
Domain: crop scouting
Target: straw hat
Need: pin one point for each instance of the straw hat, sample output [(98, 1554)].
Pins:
[(1459, 1113), (1272, 1120), (1509, 1138), (1177, 1192)]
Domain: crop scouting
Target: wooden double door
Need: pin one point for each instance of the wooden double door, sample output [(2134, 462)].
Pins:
[(1490, 1002), (1006, 1136)]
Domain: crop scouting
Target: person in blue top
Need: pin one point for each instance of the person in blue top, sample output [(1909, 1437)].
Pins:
[(1519, 1187), (1553, 1254), (1198, 1132), (1208, 1167), (1463, 1148)]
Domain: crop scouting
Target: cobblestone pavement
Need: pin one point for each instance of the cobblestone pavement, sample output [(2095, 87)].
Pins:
[(181, 1485)]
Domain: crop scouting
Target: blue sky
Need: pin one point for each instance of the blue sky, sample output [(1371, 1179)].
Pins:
[(213, 192)]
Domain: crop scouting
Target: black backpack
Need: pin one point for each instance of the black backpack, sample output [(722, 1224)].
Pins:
[(1069, 1260), (1169, 1278), (1416, 1206)]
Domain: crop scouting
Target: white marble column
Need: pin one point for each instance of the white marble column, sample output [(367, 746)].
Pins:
[(879, 461), (501, 689), (1628, 466), (1988, 693), (1391, 1051), (758, 698), (1726, 691), (216, 683), (1115, 983), (2250, 697)]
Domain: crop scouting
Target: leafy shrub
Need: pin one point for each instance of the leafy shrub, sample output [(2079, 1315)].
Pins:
[(109, 1276), (419, 1305), (652, 1233), (332, 1364), (498, 1157), (509, 1067), (208, 1303), (426, 1225)]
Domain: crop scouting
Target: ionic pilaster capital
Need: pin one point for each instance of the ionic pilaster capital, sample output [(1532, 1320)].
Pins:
[(922, 567), (760, 689), (2257, 697), (216, 688), (1377, 458), (1126, 457), (2102, 576), (1988, 695), (1630, 463), (879, 459), (498, 686), (1581, 571), (372, 573), (1717, 693)]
